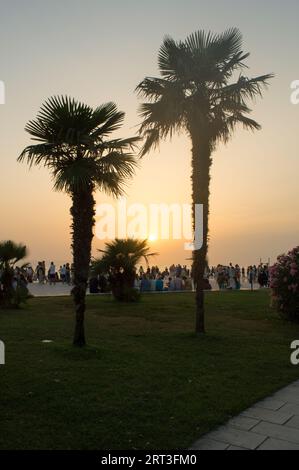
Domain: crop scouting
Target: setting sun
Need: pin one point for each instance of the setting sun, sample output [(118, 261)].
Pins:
[(152, 237)]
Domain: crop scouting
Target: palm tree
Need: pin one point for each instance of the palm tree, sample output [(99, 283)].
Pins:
[(196, 94), (120, 258), (10, 254), (73, 142)]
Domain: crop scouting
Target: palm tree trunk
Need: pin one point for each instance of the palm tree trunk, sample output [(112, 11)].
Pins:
[(7, 280), (82, 212), (201, 163)]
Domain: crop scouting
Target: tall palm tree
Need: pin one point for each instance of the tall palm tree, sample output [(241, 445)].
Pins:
[(73, 142), (197, 93)]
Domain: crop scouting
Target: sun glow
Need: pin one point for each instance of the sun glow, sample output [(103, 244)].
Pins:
[(152, 237)]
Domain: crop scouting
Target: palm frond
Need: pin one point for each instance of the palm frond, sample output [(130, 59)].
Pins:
[(11, 252), (73, 144), (124, 164), (248, 123), (246, 88), (151, 141), (123, 254), (39, 154), (226, 45), (110, 118), (194, 90), (121, 145), (173, 59)]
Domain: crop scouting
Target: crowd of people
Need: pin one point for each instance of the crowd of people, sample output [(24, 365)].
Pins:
[(232, 277), (50, 275), (178, 277), (173, 278)]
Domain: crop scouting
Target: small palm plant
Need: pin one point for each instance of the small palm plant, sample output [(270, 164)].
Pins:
[(12, 293), (120, 258), (73, 143), (203, 92)]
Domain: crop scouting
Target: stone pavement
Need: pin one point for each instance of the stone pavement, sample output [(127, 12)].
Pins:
[(45, 290), (271, 424)]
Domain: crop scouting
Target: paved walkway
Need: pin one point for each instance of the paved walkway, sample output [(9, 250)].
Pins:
[(271, 424), (45, 290)]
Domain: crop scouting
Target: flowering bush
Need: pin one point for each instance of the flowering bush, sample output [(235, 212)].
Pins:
[(284, 282)]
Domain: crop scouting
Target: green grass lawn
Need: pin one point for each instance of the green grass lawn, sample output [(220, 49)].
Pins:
[(145, 381)]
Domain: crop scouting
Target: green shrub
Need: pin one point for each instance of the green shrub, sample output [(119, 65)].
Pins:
[(284, 282)]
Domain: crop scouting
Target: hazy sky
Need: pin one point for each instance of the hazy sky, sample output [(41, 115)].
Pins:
[(99, 51)]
